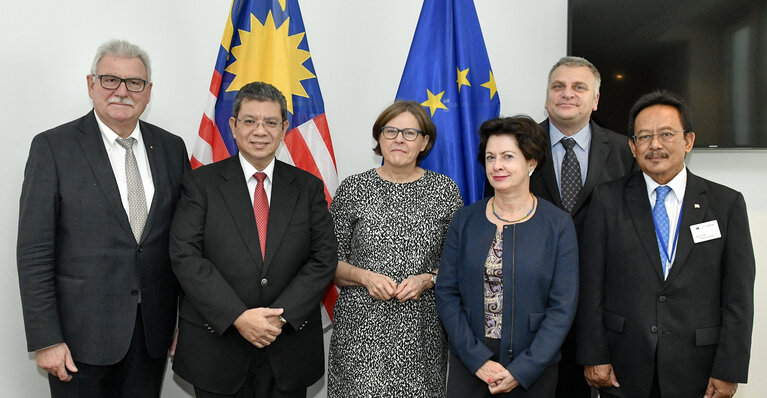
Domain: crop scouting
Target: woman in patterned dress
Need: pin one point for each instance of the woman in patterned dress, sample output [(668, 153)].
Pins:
[(508, 280), (390, 223)]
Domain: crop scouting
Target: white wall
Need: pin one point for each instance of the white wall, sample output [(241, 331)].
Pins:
[(358, 48)]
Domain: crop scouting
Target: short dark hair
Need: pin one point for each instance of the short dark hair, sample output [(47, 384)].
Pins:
[(529, 135), (425, 124), (261, 92), (660, 97)]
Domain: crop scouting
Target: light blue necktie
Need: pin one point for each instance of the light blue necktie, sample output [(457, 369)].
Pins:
[(660, 215)]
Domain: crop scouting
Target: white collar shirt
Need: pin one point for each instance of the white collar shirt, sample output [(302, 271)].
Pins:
[(248, 171), (116, 154), (673, 204)]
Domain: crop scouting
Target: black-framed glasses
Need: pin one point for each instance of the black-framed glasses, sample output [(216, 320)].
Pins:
[(269, 124), (408, 134), (665, 136), (111, 82)]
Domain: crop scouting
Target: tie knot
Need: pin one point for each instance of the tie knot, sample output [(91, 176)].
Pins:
[(260, 177), (568, 143), (661, 192), (126, 143)]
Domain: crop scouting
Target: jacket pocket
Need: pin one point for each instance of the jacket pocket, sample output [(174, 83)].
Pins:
[(707, 336), (613, 322), (535, 320)]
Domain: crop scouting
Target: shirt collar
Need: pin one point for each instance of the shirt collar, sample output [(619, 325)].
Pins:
[(248, 169), (677, 184), (110, 136), (582, 137)]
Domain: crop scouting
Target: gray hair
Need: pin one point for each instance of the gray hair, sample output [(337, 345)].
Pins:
[(122, 49), (575, 62), (261, 92)]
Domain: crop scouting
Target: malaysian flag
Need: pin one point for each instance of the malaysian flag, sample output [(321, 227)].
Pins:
[(266, 41)]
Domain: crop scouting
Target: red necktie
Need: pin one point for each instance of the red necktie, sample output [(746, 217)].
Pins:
[(261, 210)]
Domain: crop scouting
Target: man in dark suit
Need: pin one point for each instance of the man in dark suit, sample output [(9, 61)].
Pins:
[(667, 271), (98, 294), (253, 247), (579, 155)]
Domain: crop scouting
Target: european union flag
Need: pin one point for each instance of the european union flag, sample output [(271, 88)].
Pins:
[(449, 72)]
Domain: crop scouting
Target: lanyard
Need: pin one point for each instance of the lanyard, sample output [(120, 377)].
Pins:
[(665, 254)]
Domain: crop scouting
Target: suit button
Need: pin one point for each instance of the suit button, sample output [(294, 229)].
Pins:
[(654, 329), (662, 299), (140, 249), (264, 282), (134, 292)]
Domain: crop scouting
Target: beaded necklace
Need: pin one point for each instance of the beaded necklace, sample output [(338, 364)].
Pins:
[(492, 207)]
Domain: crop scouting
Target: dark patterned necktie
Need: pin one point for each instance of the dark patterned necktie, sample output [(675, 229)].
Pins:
[(571, 175), (137, 209)]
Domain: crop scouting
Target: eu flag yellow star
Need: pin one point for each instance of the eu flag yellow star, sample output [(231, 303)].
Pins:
[(490, 84), (434, 102), (463, 78)]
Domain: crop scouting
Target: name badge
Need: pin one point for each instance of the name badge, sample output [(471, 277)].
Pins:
[(705, 231)]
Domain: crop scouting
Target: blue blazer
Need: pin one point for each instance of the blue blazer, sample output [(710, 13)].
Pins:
[(540, 281)]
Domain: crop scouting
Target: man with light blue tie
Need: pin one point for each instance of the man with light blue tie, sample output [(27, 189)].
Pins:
[(667, 271), (580, 155)]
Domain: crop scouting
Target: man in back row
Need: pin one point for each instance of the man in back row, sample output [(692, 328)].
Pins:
[(97, 291), (580, 155)]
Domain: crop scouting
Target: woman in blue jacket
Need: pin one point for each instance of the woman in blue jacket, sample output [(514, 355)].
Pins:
[(507, 289)]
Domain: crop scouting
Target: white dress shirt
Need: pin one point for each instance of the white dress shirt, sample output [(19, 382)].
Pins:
[(248, 170), (116, 155), (673, 204)]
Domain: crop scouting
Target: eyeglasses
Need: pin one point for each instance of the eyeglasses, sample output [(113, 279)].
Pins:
[(269, 124), (110, 82), (408, 134), (665, 136)]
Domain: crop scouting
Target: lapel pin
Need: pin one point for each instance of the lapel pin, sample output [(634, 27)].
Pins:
[(151, 147), (697, 206)]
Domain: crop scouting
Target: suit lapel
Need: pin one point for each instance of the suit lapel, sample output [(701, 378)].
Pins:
[(234, 190), (694, 206), (597, 156), (94, 152), (159, 169), (549, 174), (281, 207), (641, 215)]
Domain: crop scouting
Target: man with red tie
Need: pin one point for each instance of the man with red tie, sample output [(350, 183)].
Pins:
[(253, 247)]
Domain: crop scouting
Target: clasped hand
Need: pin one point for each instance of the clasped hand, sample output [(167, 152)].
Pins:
[(497, 377), (260, 326), (381, 287)]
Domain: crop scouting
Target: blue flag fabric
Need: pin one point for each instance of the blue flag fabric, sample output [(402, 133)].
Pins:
[(448, 71)]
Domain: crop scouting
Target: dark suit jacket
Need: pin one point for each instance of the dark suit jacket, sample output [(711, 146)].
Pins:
[(80, 268), (540, 279), (216, 256), (699, 319), (609, 158)]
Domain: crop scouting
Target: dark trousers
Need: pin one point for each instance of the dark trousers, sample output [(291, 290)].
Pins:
[(571, 383), (137, 375), (463, 383), (260, 383)]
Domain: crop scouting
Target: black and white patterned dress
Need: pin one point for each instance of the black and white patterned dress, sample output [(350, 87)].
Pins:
[(386, 348)]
